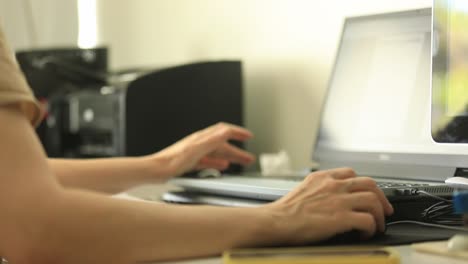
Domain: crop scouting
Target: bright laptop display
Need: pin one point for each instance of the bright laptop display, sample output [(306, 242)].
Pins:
[(376, 115)]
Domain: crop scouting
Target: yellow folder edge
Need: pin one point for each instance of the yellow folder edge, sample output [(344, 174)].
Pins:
[(313, 255)]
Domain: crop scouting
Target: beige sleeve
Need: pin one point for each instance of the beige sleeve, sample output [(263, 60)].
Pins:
[(14, 90)]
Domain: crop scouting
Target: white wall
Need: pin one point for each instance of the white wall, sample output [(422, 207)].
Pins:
[(39, 23), (287, 47)]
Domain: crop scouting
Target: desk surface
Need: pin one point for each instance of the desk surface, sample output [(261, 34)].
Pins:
[(408, 256)]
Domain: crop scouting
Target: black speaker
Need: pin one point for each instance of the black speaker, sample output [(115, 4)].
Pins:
[(169, 104)]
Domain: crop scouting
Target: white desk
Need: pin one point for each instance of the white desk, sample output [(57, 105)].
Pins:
[(408, 256)]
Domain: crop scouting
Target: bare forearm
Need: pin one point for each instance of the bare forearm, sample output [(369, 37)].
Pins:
[(114, 231), (42, 222), (110, 175)]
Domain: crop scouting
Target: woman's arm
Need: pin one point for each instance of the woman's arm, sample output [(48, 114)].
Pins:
[(42, 222), (208, 148), (45, 223), (110, 175)]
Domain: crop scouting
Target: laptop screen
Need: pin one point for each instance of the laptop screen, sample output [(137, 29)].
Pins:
[(376, 116)]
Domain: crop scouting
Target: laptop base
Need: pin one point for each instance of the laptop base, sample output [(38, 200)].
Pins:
[(404, 209)]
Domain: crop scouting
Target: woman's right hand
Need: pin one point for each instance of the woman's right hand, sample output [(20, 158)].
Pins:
[(328, 203)]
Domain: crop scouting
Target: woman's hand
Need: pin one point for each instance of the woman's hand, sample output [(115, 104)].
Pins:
[(207, 148), (327, 203)]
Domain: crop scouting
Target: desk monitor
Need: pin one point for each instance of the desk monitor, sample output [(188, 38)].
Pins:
[(450, 71)]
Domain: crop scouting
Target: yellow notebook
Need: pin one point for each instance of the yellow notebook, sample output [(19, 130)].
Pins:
[(313, 255)]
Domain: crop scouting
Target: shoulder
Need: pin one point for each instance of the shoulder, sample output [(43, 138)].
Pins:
[(14, 90)]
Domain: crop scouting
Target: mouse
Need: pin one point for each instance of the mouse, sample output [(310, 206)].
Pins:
[(458, 243), (351, 237), (457, 182), (346, 237), (209, 173)]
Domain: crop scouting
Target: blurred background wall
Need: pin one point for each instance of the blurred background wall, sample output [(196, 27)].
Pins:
[(36, 24), (287, 48)]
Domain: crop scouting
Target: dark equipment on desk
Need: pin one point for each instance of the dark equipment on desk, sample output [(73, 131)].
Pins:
[(50, 71), (65, 80), (93, 113), (166, 105)]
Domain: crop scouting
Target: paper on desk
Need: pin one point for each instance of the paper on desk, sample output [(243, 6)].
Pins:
[(275, 163), (439, 248)]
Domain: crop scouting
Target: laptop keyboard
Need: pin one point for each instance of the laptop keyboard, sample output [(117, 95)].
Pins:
[(400, 185), (380, 184)]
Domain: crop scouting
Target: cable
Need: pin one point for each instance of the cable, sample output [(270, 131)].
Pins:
[(463, 229), (439, 213), (442, 213)]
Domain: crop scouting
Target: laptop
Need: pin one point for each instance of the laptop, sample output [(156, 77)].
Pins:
[(375, 118)]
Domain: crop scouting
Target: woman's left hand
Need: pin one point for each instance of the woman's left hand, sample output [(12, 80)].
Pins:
[(207, 148)]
